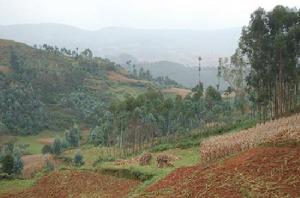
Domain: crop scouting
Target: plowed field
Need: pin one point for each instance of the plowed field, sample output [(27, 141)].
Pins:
[(259, 172), (73, 183)]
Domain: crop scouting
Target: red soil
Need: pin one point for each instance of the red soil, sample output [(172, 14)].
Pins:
[(114, 76), (36, 163), (77, 184), (259, 172)]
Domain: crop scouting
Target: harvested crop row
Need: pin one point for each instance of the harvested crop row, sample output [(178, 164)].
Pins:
[(75, 183), (281, 130)]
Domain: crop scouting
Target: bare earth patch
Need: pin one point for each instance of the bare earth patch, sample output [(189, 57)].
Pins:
[(179, 91), (5, 69), (113, 76), (259, 172), (35, 163), (75, 183)]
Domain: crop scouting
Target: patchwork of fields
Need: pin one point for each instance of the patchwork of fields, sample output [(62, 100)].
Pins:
[(262, 161)]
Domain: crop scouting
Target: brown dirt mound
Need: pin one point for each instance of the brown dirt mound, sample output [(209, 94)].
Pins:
[(35, 163), (179, 91), (259, 172), (71, 183)]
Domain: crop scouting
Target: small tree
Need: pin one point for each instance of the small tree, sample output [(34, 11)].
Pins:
[(78, 159), (18, 165), (96, 136), (198, 91), (8, 164), (49, 166), (73, 136), (212, 96), (46, 149), (57, 146)]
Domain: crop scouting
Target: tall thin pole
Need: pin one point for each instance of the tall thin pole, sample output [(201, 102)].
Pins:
[(199, 69)]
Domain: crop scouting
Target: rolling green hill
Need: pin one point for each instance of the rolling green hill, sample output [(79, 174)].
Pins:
[(51, 88)]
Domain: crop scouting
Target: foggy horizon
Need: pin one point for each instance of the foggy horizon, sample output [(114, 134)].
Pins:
[(94, 15)]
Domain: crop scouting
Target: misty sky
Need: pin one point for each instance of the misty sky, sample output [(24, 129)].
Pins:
[(95, 14)]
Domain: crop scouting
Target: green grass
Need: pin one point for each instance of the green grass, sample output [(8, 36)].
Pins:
[(187, 157), (35, 146), (90, 154), (15, 185), (119, 90)]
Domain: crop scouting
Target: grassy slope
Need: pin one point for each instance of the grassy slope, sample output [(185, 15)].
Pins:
[(33, 141), (15, 185)]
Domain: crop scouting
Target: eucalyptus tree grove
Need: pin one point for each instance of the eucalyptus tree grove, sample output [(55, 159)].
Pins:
[(271, 44)]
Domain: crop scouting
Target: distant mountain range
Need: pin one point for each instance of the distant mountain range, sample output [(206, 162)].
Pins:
[(187, 76), (165, 52), (151, 45)]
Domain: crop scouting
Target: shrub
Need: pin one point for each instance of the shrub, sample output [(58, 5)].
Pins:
[(49, 166), (161, 147), (78, 159), (96, 136), (18, 165), (8, 164), (102, 159), (57, 146), (72, 136), (46, 149)]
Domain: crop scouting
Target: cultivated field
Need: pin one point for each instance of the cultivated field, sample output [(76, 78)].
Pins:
[(260, 172), (114, 76), (36, 163), (267, 165), (76, 183), (272, 132)]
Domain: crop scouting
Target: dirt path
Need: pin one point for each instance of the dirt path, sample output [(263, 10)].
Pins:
[(259, 172), (75, 183)]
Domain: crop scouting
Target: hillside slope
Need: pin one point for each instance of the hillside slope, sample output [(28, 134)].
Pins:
[(187, 76), (60, 87), (269, 170), (182, 46)]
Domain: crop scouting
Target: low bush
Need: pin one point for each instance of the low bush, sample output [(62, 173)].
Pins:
[(46, 149), (161, 147), (78, 159)]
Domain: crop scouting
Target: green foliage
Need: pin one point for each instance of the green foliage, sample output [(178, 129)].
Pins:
[(49, 166), (161, 147), (18, 165), (198, 89), (78, 159), (103, 159), (8, 164), (72, 136), (270, 43), (211, 94), (96, 136), (46, 87), (11, 158), (57, 147), (82, 103), (46, 149), (21, 110)]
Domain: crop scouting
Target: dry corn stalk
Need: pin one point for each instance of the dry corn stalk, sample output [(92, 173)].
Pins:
[(280, 130)]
